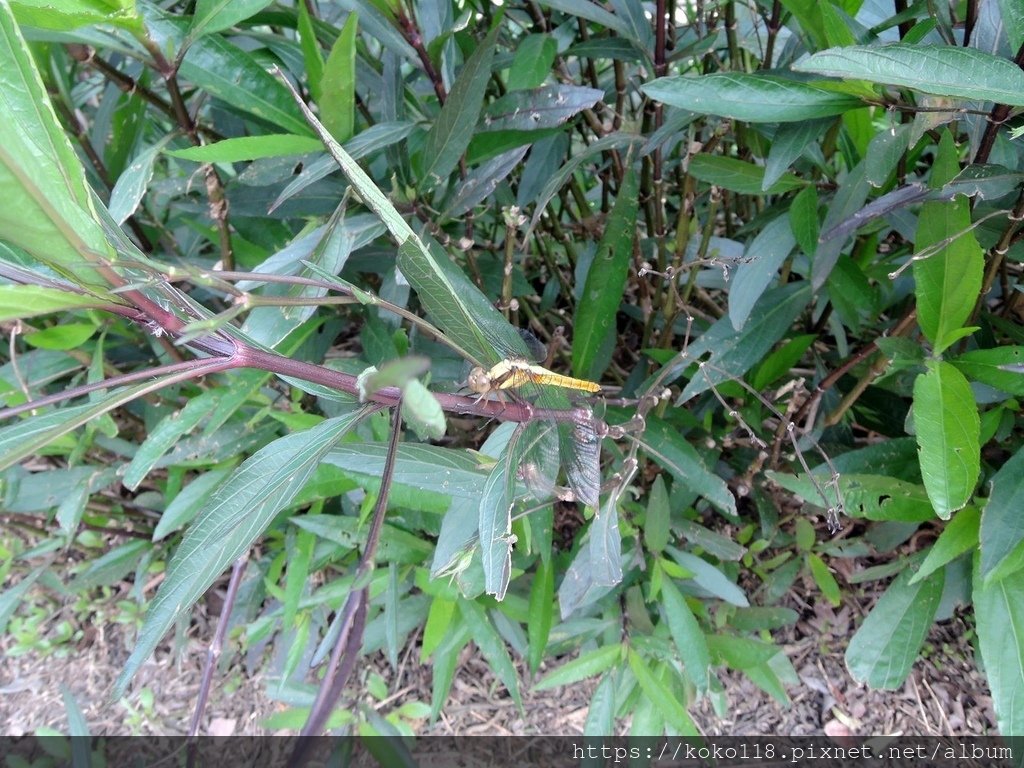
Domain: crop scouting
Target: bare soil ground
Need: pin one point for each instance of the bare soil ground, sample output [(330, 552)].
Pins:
[(945, 694)]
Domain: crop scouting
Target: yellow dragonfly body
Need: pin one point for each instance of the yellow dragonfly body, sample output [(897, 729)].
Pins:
[(514, 373)]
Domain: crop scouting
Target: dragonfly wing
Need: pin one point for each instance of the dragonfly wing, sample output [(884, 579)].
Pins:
[(538, 450), (581, 456)]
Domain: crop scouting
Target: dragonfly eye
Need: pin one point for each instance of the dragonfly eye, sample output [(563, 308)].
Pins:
[(479, 381)]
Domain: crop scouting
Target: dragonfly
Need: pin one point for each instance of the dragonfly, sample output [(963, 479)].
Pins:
[(559, 435)]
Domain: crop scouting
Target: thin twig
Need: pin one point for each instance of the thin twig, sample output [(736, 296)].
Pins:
[(216, 646), (346, 649)]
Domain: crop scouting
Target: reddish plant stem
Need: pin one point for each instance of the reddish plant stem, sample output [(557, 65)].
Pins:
[(412, 35), (350, 639)]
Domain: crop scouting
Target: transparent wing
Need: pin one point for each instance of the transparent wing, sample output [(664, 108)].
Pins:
[(506, 340), (538, 465), (581, 456)]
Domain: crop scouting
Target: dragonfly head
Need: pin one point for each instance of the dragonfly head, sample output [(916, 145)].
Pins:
[(479, 381)]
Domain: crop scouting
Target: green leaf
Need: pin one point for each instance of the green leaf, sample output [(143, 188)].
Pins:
[(111, 567), (439, 620), (604, 545), (165, 434), (740, 652), (48, 206), (595, 326), (1012, 15), (557, 179), (781, 361), (585, 666), (24, 438), (71, 14), (492, 647), (737, 175), (762, 259), (720, 545), (884, 153), (658, 517), (875, 497), (396, 545), (805, 534), (824, 579), (808, 15), (791, 140), (959, 535), (542, 612), (445, 660), (239, 512), (454, 127), (885, 645), (483, 181), (23, 301), (246, 148), (532, 62), (591, 11), (189, 502), (989, 366), (734, 353), (300, 555), (453, 302), (690, 641), (235, 76), (546, 107), (948, 434), (311, 55), (941, 70), (486, 145), (754, 98), (757, 618), (426, 477), (948, 280), (803, 219), (495, 524), (844, 204), (709, 577), (601, 712), (456, 304), (11, 598), (661, 696), (999, 612), (671, 450), (66, 336), (1002, 525), (132, 183), (216, 15), (338, 85), (773, 676)]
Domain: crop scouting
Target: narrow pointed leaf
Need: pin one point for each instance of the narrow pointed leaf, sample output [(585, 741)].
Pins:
[(999, 611), (883, 649), (596, 330), (454, 127), (1002, 525), (338, 84), (239, 512), (941, 70), (754, 98), (217, 15)]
